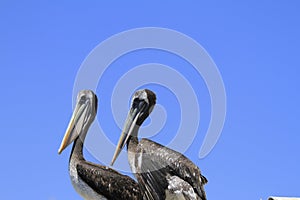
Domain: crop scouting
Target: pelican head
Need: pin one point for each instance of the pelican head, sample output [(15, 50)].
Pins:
[(83, 115), (142, 104)]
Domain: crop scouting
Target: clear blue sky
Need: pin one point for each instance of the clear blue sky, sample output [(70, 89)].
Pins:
[(255, 45)]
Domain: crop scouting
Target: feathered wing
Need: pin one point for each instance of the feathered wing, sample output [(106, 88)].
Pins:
[(151, 178), (119, 187), (158, 167)]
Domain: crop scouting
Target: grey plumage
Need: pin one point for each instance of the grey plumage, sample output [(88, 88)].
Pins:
[(93, 181), (162, 173)]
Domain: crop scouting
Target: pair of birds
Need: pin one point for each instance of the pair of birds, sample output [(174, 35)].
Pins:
[(161, 173)]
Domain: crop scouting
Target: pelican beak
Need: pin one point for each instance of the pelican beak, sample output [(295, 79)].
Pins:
[(76, 124), (129, 128)]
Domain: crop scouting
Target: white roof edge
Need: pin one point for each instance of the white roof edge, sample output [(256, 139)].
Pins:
[(283, 198)]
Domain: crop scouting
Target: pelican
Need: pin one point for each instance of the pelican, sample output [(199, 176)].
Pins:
[(90, 180), (162, 173)]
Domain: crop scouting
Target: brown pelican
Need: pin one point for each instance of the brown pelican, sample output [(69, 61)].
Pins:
[(162, 173), (90, 180)]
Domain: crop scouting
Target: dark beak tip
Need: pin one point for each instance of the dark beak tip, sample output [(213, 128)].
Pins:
[(112, 163)]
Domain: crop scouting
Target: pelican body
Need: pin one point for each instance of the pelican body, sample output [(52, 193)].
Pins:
[(162, 173), (93, 181)]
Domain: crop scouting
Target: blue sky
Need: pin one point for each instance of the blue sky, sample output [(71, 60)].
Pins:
[(254, 44)]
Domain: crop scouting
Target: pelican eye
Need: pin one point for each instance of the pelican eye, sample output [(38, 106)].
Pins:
[(135, 102)]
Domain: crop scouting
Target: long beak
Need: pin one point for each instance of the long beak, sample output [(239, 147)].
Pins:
[(128, 130), (76, 124)]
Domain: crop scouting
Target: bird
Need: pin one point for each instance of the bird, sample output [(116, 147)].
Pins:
[(93, 181), (161, 172)]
